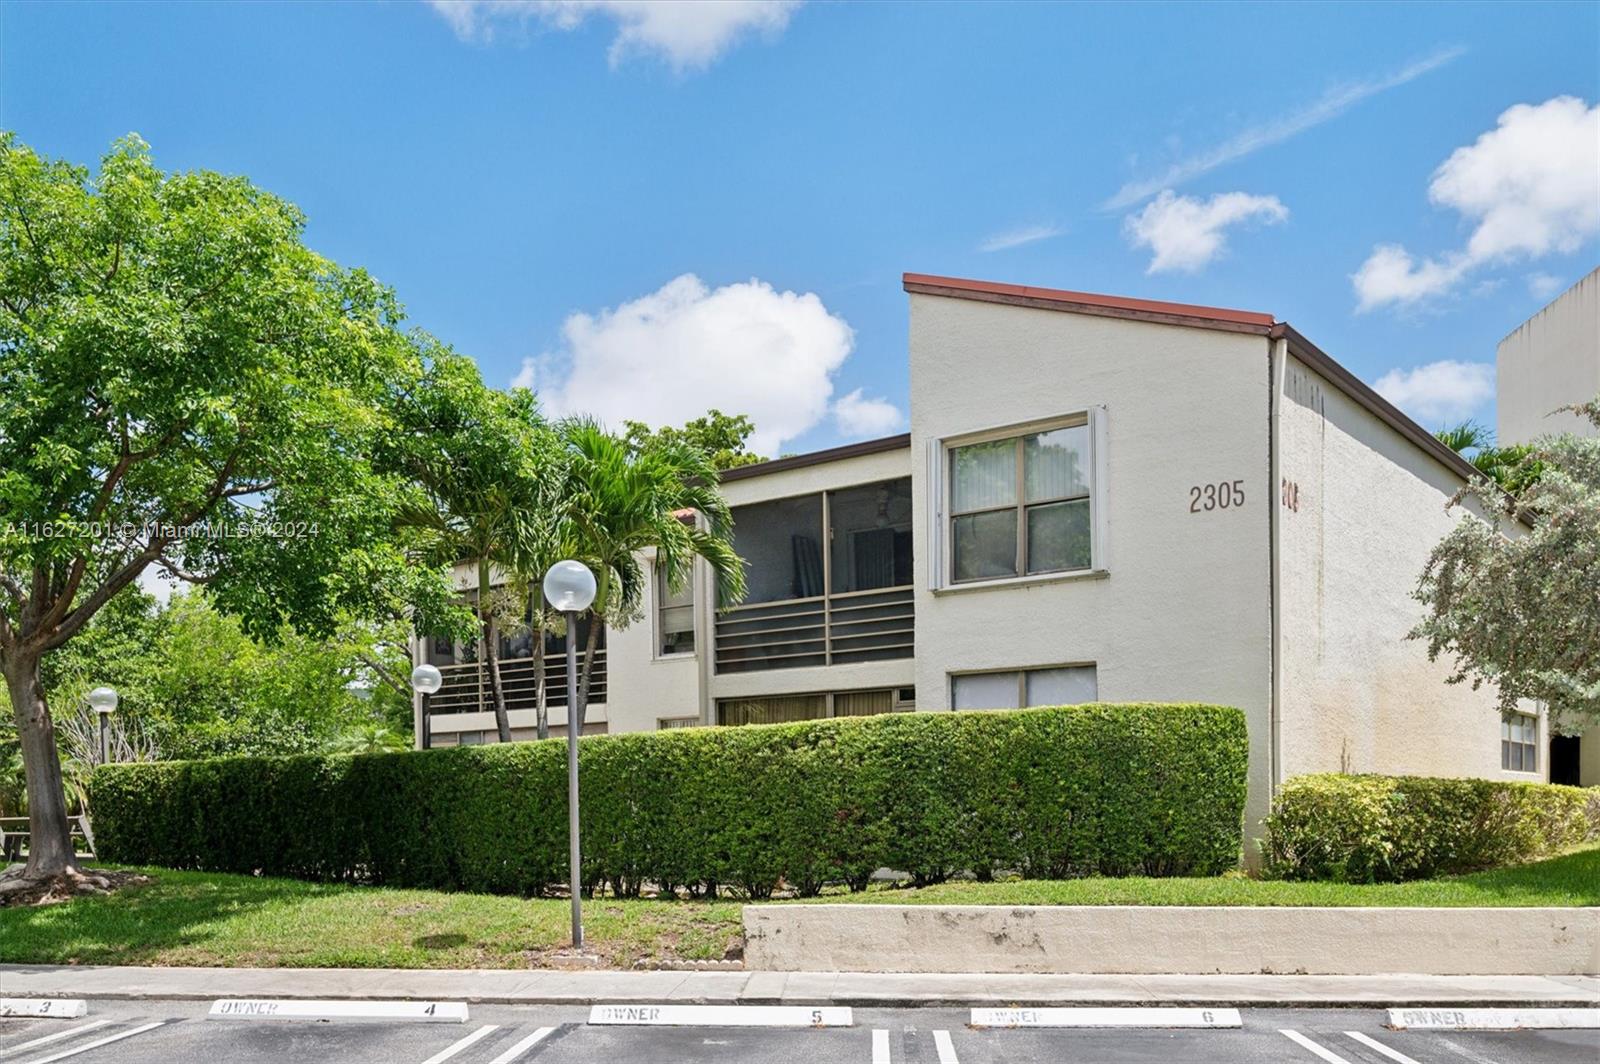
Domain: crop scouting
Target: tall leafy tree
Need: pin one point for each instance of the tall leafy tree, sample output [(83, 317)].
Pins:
[(1522, 612), (183, 383), (723, 437), (621, 499), (481, 467)]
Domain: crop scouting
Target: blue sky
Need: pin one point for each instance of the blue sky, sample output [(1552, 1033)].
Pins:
[(643, 210)]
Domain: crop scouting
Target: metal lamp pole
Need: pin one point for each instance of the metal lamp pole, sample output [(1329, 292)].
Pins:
[(569, 586), (426, 681), (103, 700)]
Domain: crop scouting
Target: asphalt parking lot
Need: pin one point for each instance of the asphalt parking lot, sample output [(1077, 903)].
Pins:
[(157, 1032)]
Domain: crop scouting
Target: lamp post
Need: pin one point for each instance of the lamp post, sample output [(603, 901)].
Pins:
[(569, 587), (103, 700), (426, 680)]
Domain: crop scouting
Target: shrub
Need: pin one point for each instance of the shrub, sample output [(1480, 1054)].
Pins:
[(1096, 789), (1366, 829)]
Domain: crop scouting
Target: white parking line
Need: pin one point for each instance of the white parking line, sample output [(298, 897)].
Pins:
[(880, 1047), (97, 1043), (47, 1039), (1374, 1044), (523, 1046), (1119, 1016), (451, 1050), (947, 1051), (44, 1008), (1301, 1040)]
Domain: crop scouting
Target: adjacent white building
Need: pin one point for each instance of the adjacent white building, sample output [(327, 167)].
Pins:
[(1550, 361), (1099, 498)]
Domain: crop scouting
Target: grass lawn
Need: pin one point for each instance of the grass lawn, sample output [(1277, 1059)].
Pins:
[(1571, 879), (195, 918)]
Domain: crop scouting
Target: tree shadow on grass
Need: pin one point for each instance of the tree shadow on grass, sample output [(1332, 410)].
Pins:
[(137, 924)]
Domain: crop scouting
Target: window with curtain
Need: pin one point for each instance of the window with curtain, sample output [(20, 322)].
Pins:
[(674, 616), (1016, 689), (1020, 505)]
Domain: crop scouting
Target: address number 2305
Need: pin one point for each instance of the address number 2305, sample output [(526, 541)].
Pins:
[(1223, 495)]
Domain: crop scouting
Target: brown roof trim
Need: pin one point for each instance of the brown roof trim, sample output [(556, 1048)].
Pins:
[(832, 454), (1186, 314), (1362, 393)]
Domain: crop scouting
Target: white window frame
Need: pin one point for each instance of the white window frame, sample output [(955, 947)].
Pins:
[(1530, 719), (941, 560), (657, 598)]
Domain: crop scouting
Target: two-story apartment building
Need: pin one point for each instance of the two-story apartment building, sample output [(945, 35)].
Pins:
[(1099, 499)]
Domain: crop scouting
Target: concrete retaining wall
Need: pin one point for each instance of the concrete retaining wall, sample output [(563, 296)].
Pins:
[(1142, 940)]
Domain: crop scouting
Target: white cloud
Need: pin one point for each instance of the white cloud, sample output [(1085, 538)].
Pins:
[(1439, 391), (1187, 233), (1530, 186), (1015, 238), (1544, 285), (857, 415), (688, 34), (673, 354), (1331, 105)]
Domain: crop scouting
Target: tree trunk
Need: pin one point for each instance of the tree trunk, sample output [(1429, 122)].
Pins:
[(540, 688), (587, 670), (49, 831), (497, 691), (491, 653)]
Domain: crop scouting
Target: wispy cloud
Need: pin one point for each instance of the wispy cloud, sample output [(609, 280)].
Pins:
[(1331, 105), (1015, 238)]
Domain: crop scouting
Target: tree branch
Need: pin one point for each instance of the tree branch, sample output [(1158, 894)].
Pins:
[(72, 622), (383, 673)]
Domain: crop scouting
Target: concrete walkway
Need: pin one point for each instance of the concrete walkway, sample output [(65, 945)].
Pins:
[(863, 989)]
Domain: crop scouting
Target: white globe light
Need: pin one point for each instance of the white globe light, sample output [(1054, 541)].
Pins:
[(426, 680), (103, 700), (569, 586)]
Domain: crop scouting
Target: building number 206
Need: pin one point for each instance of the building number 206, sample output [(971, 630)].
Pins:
[(1222, 495)]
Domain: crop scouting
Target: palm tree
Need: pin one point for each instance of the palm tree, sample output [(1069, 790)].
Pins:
[(621, 499), (478, 464), (1512, 468)]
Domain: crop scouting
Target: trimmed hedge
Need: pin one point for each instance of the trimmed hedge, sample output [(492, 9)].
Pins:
[(1095, 789), (1366, 829)]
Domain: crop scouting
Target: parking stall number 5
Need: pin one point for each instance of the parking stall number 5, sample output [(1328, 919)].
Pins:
[(1223, 495)]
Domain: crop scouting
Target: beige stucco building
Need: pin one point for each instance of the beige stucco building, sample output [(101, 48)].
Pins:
[(1550, 361), (1098, 499)]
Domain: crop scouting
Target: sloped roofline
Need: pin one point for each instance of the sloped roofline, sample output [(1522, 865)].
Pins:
[(1199, 317)]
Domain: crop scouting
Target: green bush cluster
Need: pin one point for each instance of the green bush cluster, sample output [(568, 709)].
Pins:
[(1368, 829), (1080, 790)]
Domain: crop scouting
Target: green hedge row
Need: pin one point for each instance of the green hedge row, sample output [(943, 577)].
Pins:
[(1364, 829), (1096, 789)]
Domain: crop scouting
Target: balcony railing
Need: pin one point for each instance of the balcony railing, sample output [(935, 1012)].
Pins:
[(466, 686), (837, 629)]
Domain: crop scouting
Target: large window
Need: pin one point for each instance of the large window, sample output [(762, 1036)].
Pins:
[(1021, 505), (1519, 743), (674, 616), (1020, 688)]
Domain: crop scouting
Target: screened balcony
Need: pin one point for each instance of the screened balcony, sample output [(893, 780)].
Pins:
[(829, 581), (466, 680)]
